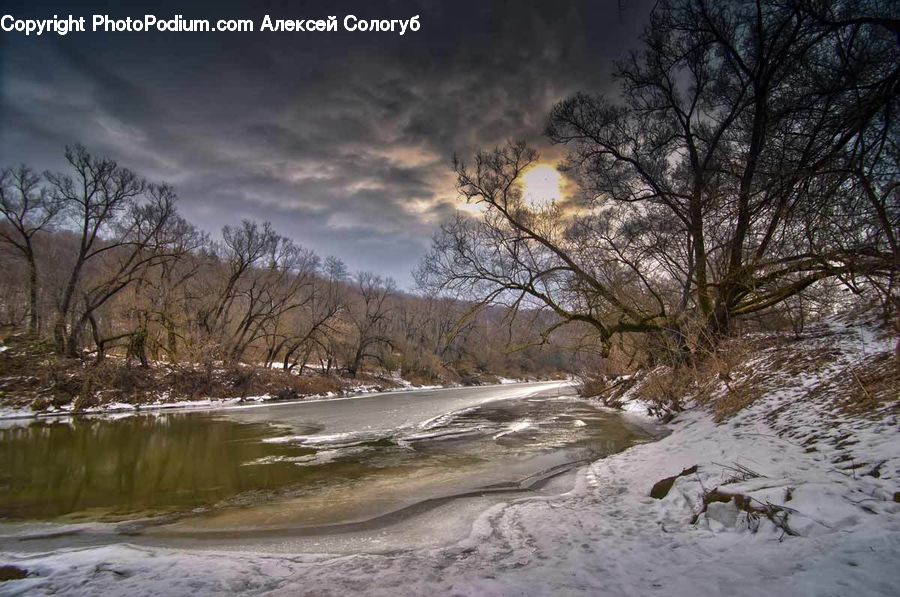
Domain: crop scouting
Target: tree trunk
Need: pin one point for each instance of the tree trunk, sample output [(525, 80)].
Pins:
[(357, 362), (718, 326), (98, 341), (32, 294), (72, 343), (137, 348), (67, 341), (172, 342)]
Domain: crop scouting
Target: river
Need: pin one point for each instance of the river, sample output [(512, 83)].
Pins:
[(335, 475)]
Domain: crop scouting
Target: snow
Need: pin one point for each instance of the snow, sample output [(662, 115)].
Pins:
[(7, 412), (606, 535), (333, 440), (508, 380), (513, 428), (443, 419), (12, 415), (17, 417)]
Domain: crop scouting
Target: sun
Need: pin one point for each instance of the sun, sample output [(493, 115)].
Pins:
[(541, 184)]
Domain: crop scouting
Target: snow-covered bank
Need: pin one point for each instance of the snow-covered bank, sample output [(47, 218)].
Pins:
[(10, 416), (827, 476), (35, 382)]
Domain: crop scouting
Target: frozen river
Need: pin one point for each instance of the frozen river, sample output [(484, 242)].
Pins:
[(304, 475)]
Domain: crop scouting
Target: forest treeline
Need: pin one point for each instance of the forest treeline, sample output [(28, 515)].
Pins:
[(98, 261)]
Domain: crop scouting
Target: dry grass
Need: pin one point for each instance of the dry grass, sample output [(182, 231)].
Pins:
[(31, 376), (668, 389), (790, 361), (780, 361), (866, 389), (743, 370), (418, 378), (735, 399), (721, 381)]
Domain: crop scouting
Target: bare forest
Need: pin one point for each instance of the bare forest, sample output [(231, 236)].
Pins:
[(100, 269)]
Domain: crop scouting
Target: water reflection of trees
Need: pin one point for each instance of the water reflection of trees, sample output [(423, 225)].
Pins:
[(141, 463)]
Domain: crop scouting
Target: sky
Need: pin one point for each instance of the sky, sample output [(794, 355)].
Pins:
[(343, 140)]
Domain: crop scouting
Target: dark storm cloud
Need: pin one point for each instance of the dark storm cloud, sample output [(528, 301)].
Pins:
[(342, 140)]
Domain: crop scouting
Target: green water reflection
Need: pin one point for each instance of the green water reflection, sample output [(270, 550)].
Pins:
[(139, 465)]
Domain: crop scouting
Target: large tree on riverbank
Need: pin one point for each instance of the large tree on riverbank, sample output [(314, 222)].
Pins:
[(27, 209), (122, 225), (717, 185)]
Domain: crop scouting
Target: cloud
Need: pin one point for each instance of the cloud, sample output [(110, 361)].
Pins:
[(343, 142)]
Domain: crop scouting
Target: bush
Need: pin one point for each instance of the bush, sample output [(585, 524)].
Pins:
[(666, 389), (610, 390)]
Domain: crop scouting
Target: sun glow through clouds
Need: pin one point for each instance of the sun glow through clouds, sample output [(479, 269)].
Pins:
[(541, 184)]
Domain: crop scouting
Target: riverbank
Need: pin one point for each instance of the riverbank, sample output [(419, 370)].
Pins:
[(35, 383), (794, 493), (19, 415)]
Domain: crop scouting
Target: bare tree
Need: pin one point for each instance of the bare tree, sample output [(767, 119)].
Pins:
[(28, 208), (518, 255), (284, 286), (153, 315), (314, 327), (131, 277), (369, 317), (244, 248), (119, 219)]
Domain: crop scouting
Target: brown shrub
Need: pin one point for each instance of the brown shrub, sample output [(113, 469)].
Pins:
[(667, 390), (609, 390), (56, 381), (422, 378)]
